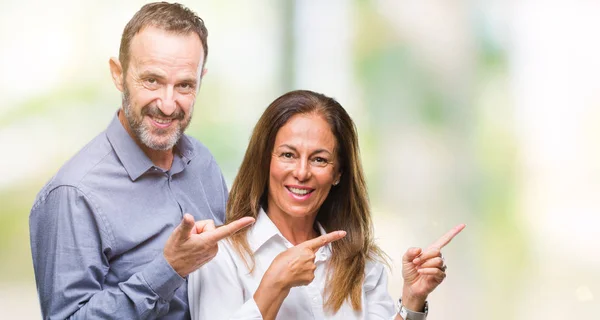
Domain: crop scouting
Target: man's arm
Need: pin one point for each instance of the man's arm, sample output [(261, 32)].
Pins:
[(68, 244), (225, 191)]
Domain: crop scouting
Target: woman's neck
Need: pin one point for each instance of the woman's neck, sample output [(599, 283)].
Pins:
[(295, 229)]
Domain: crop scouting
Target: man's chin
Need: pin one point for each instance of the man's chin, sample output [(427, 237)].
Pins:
[(160, 143), (159, 147)]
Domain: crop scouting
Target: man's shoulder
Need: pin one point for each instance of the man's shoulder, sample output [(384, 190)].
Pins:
[(199, 147), (201, 154), (74, 172)]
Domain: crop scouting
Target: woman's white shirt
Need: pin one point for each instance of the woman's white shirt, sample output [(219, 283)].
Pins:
[(224, 288)]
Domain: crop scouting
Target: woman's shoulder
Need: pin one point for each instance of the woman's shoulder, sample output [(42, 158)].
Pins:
[(375, 272), (227, 252), (225, 259), (375, 265)]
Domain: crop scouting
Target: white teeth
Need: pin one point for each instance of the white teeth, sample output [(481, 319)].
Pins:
[(299, 191), (162, 121)]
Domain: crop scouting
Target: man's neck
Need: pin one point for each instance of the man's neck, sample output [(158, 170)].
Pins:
[(160, 158)]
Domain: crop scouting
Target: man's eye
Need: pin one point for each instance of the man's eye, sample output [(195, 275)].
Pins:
[(151, 80), (185, 87)]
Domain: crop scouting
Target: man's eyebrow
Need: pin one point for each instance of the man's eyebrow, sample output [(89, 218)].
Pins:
[(190, 80), (151, 74), (160, 76)]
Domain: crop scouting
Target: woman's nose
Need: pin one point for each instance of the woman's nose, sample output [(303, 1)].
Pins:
[(302, 170)]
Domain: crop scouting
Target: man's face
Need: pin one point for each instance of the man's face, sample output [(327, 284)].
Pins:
[(160, 85)]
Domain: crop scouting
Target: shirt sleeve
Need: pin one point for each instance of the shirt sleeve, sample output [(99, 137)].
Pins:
[(69, 242), (216, 292), (221, 215), (379, 304)]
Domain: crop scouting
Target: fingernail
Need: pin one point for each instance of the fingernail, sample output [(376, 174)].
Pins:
[(416, 260)]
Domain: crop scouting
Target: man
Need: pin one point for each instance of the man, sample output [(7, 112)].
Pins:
[(109, 236)]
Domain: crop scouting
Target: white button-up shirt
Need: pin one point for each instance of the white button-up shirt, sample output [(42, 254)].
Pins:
[(224, 287)]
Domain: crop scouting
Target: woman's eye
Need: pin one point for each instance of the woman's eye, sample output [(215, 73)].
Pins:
[(318, 161), (321, 160), (288, 155)]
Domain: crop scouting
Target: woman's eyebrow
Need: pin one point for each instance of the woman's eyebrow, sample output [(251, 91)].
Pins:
[(320, 151), (287, 146), (312, 153)]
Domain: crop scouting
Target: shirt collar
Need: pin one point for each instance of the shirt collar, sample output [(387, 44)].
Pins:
[(185, 148), (264, 229), (133, 158)]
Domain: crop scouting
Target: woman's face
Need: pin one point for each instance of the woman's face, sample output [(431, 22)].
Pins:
[(303, 167)]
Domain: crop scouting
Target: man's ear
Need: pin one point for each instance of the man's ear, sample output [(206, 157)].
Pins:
[(116, 71), (201, 79)]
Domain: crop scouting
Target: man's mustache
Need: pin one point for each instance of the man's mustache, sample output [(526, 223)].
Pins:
[(153, 111)]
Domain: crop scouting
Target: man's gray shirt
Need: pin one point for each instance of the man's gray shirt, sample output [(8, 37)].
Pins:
[(98, 228)]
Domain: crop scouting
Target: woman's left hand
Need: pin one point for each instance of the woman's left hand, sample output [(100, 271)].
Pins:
[(424, 270)]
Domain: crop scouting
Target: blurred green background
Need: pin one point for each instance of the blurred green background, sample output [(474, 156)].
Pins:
[(483, 112)]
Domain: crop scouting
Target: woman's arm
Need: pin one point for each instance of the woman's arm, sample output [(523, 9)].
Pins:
[(378, 303), (216, 292), (291, 268), (269, 300), (424, 270)]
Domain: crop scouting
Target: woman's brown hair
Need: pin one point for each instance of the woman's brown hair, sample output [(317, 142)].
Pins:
[(345, 208)]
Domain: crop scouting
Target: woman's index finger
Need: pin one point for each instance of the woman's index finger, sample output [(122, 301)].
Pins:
[(446, 238), (318, 242)]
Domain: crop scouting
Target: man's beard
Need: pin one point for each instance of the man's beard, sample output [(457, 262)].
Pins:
[(146, 133)]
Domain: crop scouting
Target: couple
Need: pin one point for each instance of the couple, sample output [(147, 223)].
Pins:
[(107, 234)]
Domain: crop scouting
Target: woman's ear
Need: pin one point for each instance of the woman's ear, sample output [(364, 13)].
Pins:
[(338, 176)]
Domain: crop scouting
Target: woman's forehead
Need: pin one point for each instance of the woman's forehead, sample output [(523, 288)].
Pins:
[(306, 131)]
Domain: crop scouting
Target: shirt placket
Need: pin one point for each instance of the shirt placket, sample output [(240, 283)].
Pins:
[(316, 300), (315, 289)]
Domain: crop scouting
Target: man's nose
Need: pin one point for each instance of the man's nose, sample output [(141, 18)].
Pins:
[(166, 103)]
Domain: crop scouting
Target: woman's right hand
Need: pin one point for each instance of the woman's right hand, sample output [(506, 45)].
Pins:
[(292, 268)]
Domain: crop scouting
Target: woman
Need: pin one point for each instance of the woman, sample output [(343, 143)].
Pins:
[(302, 177)]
